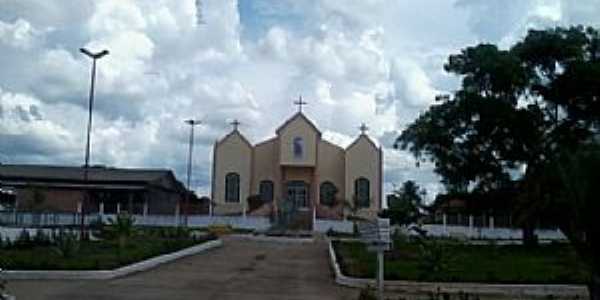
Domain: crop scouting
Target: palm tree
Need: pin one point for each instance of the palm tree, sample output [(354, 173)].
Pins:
[(122, 228)]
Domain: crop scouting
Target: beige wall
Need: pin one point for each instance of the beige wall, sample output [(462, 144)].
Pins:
[(232, 154), (363, 159), (265, 162), (331, 167), (298, 127), (274, 160), (297, 173)]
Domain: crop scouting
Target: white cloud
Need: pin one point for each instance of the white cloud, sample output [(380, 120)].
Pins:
[(362, 61), (27, 134), (411, 85), (19, 34)]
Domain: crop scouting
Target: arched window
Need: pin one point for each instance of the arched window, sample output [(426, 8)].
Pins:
[(327, 193), (362, 192), (232, 187), (298, 147), (265, 189)]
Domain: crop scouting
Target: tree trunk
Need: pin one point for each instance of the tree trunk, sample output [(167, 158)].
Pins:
[(594, 286), (529, 237)]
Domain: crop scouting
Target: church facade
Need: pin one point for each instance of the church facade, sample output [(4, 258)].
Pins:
[(297, 166)]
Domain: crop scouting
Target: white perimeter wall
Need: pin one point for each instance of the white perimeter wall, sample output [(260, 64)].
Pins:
[(436, 230)]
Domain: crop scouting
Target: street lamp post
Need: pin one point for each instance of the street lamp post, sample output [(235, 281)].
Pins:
[(192, 123), (94, 57)]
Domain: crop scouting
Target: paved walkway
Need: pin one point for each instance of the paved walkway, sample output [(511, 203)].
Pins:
[(241, 269)]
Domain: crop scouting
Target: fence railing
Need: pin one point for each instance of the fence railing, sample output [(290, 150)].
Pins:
[(41, 220), (436, 230), (29, 219), (488, 233), (47, 220)]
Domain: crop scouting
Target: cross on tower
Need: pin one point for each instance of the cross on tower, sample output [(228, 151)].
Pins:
[(300, 103), (235, 124), (363, 128)]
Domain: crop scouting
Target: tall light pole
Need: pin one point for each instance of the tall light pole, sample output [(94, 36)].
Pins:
[(192, 123), (94, 57)]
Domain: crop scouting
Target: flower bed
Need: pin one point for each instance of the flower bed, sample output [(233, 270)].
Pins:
[(455, 262), (67, 253)]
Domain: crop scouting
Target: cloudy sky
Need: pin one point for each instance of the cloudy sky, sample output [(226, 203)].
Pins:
[(373, 61)]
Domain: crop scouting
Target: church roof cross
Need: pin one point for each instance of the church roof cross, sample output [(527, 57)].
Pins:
[(300, 102), (363, 128), (235, 123)]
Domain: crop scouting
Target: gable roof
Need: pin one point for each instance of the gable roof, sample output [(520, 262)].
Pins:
[(369, 140), (232, 133), (96, 174), (298, 115), (337, 147), (269, 140)]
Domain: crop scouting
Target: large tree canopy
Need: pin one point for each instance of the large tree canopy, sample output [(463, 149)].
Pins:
[(514, 108), (530, 107)]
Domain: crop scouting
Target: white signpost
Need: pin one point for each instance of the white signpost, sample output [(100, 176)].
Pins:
[(376, 235)]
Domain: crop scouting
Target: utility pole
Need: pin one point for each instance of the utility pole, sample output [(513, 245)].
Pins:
[(94, 57), (192, 123)]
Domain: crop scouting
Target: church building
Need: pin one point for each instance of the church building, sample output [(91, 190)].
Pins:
[(297, 166)]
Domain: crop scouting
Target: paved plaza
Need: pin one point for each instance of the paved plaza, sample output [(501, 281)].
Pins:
[(241, 269)]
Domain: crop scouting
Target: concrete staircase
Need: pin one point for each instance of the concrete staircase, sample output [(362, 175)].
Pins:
[(301, 220)]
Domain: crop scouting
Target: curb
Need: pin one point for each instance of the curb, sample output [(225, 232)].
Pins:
[(277, 239), (110, 274), (511, 290)]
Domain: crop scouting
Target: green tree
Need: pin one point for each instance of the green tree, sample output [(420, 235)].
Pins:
[(568, 191), (515, 109), (121, 229), (404, 204)]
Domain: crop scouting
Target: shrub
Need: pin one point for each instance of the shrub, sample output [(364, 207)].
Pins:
[(400, 237), (330, 232), (121, 229), (41, 238), (182, 233), (435, 259), (7, 244), (254, 203), (66, 244), (96, 226), (23, 240)]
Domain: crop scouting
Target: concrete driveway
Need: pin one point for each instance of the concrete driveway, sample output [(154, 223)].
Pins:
[(241, 269)]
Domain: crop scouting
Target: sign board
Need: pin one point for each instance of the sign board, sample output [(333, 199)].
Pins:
[(376, 234), (379, 247)]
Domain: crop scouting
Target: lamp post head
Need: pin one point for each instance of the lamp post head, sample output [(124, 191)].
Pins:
[(94, 55), (193, 122), (103, 53)]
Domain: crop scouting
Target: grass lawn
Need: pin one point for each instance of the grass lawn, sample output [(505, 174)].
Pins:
[(95, 255), (555, 263)]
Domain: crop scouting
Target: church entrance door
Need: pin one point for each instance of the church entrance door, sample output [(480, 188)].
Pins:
[(297, 193)]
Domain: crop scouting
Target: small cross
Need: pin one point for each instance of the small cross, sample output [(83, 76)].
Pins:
[(300, 103), (235, 124), (363, 128)]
